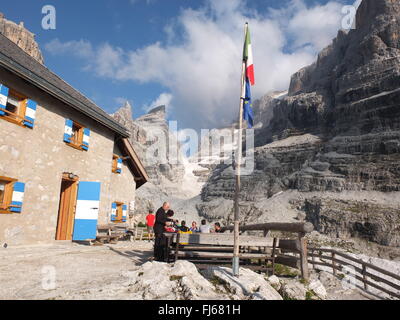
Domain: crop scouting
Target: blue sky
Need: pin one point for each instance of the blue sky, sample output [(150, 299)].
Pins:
[(179, 52)]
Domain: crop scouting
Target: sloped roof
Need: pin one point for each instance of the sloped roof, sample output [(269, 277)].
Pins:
[(14, 59), (134, 162)]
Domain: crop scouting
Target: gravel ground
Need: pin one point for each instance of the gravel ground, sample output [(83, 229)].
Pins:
[(79, 271), (68, 271)]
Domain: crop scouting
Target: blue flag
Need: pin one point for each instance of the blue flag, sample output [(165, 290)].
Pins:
[(248, 110)]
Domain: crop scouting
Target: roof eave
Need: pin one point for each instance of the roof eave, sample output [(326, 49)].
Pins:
[(44, 85), (134, 162)]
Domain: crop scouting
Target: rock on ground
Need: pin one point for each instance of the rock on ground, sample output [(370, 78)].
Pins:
[(249, 285), (293, 290), (181, 281), (318, 289), (274, 282)]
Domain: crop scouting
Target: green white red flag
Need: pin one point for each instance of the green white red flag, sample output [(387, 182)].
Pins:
[(248, 58)]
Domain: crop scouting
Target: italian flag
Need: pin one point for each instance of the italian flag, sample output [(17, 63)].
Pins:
[(248, 58)]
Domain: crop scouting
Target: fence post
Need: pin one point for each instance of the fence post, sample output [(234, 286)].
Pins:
[(333, 263), (178, 239), (364, 274), (313, 258), (303, 257)]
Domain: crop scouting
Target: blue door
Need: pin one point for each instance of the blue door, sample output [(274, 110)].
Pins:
[(87, 211)]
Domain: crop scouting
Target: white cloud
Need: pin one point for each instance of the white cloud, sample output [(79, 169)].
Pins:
[(107, 59), (81, 48), (202, 70), (164, 99), (314, 26)]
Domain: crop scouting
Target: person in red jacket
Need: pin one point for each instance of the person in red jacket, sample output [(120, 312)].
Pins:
[(150, 220)]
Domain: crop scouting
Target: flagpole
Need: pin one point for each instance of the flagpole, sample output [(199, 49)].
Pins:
[(235, 262)]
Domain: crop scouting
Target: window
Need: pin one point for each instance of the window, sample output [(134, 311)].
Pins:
[(116, 164), (6, 193), (76, 135), (119, 212), (16, 107)]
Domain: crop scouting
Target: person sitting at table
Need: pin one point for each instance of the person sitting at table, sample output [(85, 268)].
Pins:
[(194, 227)]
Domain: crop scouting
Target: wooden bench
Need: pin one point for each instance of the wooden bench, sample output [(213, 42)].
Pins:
[(140, 233), (217, 248), (110, 233)]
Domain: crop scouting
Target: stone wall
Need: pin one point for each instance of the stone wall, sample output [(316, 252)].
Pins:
[(122, 187), (39, 157)]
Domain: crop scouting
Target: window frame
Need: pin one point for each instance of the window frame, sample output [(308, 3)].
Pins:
[(77, 144), (119, 205), (115, 163), (5, 206), (19, 117)]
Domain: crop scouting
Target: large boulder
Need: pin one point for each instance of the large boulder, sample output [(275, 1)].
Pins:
[(293, 290), (162, 281), (249, 285)]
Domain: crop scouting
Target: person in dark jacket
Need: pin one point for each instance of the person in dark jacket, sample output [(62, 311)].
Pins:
[(159, 243), (217, 228), (183, 227), (170, 226)]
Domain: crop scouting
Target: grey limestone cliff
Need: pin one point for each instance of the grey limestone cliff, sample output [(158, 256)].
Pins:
[(336, 132)]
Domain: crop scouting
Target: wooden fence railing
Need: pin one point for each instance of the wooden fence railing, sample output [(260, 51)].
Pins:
[(329, 258), (295, 247)]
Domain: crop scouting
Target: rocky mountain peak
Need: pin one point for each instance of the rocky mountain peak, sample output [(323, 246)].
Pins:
[(21, 36), (369, 10), (159, 111), (124, 114)]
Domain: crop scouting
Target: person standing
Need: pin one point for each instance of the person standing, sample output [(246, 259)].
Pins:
[(159, 225), (150, 220)]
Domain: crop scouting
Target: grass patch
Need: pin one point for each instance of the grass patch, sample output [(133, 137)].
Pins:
[(216, 281), (341, 276), (286, 297), (284, 271), (310, 295), (175, 278)]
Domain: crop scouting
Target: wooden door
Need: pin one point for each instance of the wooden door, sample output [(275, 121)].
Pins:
[(66, 212)]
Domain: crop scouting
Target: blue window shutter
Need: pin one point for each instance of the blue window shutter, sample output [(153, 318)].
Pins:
[(87, 211), (68, 130), (119, 165), (17, 197), (3, 98), (30, 114), (113, 211), (124, 212), (86, 138)]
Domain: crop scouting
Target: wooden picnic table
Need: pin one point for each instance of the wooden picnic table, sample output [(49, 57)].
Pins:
[(265, 250), (217, 248)]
